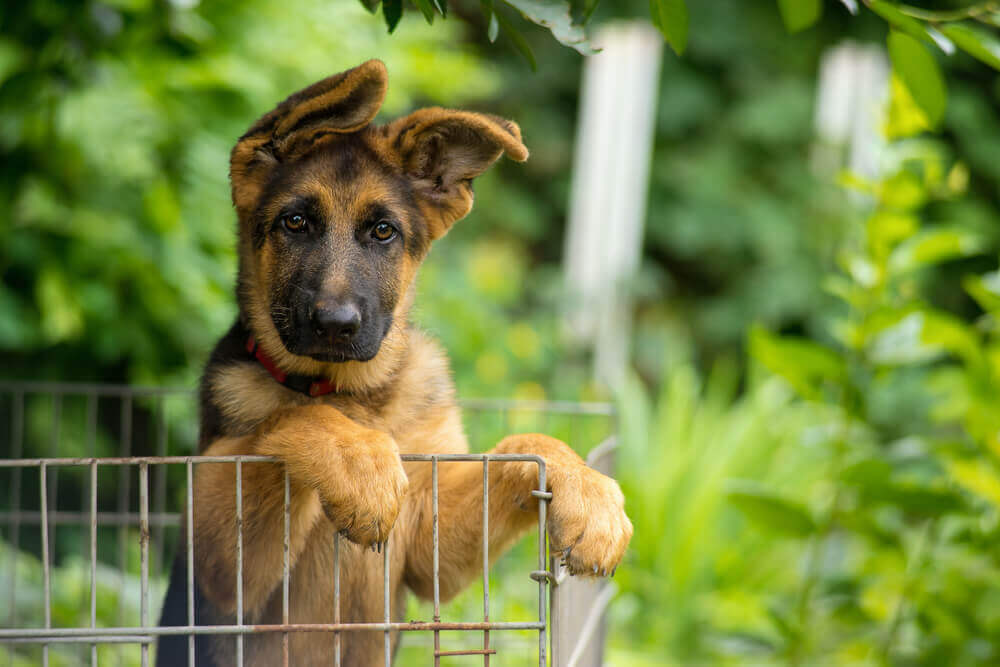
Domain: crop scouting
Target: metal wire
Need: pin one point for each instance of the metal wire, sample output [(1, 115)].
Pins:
[(134, 454)]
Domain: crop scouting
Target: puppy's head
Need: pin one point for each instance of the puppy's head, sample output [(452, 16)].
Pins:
[(336, 214)]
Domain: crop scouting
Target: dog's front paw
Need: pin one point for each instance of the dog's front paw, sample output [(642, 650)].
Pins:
[(363, 499), (587, 523)]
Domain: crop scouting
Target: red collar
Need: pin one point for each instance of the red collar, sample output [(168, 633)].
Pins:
[(300, 383)]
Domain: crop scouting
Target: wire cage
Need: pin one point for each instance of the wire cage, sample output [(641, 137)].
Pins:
[(96, 488)]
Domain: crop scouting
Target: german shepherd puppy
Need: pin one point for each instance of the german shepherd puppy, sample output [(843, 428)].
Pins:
[(323, 371)]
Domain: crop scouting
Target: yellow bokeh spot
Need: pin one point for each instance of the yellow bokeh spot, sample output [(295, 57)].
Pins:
[(523, 341), (491, 367)]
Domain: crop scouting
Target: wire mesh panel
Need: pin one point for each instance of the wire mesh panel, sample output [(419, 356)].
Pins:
[(97, 485)]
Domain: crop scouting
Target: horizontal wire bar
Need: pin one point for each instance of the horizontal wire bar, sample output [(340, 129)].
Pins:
[(176, 460), (104, 518), (40, 387), (95, 635)]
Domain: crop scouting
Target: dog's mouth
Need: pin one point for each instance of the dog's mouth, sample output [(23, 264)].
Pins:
[(305, 341)]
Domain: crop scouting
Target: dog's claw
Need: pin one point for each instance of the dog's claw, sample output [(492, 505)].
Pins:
[(595, 569), (613, 570)]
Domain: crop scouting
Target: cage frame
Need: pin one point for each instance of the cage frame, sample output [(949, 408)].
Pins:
[(552, 580)]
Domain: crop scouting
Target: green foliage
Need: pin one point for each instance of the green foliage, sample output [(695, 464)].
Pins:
[(799, 14), (671, 18), (919, 72), (902, 488)]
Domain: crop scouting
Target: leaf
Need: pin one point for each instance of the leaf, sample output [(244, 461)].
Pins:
[(370, 5), (771, 511), (492, 26), (392, 11), (918, 336), (442, 6), (977, 43), (493, 29), (802, 363), (978, 477), (899, 20), (555, 15), (915, 499), (799, 14), (426, 8), (671, 18), (919, 72), (985, 289), (933, 247), (520, 43)]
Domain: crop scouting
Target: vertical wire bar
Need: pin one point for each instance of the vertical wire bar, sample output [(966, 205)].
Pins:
[(124, 483), (90, 430), (486, 558), (54, 452), (284, 569), (160, 482), (144, 555), (17, 440), (190, 557), (93, 558), (336, 597), (385, 597), (437, 564), (239, 560), (46, 583), (542, 581)]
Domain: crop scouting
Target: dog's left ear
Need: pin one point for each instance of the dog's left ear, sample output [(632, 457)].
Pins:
[(443, 150)]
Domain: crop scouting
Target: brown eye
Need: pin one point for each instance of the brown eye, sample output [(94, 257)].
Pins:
[(294, 223), (383, 232)]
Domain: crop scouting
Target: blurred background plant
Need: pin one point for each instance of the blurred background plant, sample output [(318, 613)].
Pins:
[(810, 427)]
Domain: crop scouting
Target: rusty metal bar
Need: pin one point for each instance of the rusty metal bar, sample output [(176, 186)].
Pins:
[(82, 518), (437, 559), (486, 558), (144, 554), (125, 448), (86, 635), (160, 482), (46, 582), (135, 460), (239, 560), (336, 597), (93, 558), (189, 548), (478, 404), (472, 651), (542, 582), (386, 651), (285, 540)]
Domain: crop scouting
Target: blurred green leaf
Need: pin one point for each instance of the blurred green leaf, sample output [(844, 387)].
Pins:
[(799, 14), (518, 40), (806, 365), (555, 16), (977, 43), (427, 9), (919, 72), (671, 18), (392, 10), (933, 246), (770, 511)]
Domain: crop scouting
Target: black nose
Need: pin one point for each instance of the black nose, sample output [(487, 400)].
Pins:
[(339, 321)]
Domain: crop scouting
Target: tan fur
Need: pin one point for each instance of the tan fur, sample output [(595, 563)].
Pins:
[(342, 450)]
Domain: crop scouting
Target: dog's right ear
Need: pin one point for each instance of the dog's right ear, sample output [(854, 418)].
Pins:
[(338, 104)]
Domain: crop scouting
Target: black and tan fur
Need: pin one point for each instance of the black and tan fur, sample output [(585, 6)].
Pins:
[(325, 287)]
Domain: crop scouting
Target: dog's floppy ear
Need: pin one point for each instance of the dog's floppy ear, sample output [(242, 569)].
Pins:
[(443, 150), (341, 103)]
